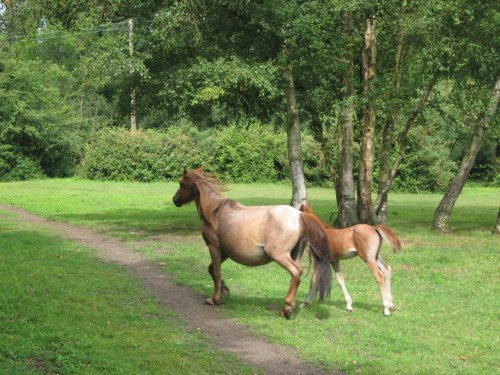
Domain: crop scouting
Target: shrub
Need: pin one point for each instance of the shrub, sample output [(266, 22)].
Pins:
[(255, 153), (118, 154), (246, 154), (15, 166), (427, 167)]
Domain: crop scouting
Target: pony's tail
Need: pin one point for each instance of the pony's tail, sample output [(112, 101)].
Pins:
[(316, 237), (389, 236)]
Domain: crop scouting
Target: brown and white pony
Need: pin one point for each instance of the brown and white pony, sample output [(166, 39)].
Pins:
[(360, 240), (254, 236)]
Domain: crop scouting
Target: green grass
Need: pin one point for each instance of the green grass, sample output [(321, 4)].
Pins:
[(64, 312), (445, 286)]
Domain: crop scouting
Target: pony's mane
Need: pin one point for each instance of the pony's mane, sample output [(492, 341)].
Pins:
[(307, 210), (210, 200)]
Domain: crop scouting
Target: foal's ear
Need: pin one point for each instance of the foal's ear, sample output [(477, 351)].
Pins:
[(199, 170), (306, 207), (185, 172)]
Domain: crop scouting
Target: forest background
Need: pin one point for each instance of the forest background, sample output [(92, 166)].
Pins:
[(363, 97)]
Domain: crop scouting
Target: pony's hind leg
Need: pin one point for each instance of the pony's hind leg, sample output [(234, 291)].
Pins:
[(341, 282), (295, 270)]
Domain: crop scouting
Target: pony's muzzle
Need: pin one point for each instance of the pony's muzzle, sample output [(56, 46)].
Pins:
[(177, 201)]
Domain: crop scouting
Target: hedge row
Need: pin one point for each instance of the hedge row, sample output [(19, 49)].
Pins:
[(250, 154), (255, 153)]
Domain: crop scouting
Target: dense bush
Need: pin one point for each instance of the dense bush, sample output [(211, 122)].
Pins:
[(247, 154), (40, 132), (15, 166), (428, 165), (253, 153), (117, 154)]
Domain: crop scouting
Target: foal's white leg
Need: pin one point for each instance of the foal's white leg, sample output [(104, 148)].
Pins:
[(379, 276), (387, 271), (341, 282)]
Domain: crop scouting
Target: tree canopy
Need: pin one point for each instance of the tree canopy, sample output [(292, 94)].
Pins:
[(66, 73)]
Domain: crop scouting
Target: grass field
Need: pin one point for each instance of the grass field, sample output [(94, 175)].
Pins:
[(64, 312), (446, 287)]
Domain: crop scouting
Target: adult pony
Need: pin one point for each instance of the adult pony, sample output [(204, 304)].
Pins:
[(254, 236), (360, 240)]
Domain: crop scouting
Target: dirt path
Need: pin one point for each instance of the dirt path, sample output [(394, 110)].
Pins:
[(228, 335)]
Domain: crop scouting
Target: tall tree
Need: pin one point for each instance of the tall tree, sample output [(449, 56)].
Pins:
[(299, 191), (381, 214), (366, 158), (133, 112), (496, 230), (445, 207), (347, 214)]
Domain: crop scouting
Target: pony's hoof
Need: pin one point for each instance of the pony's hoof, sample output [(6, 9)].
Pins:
[(225, 291), (349, 310), (387, 312), (210, 301), (287, 313)]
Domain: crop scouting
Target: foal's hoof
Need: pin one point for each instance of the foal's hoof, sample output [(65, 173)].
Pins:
[(287, 313), (225, 290)]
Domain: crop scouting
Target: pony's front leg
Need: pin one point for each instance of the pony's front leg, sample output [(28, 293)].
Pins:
[(215, 267), (224, 287)]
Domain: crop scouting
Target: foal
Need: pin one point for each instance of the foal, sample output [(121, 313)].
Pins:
[(360, 240)]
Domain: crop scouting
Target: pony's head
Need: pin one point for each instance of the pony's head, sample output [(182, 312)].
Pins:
[(187, 187)]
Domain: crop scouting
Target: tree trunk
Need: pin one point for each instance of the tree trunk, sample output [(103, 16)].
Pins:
[(403, 140), (443, 211), (388, 133), (133, 117), (496, 230), (366, 160), (317, 129), (347, 215), (299, 191)]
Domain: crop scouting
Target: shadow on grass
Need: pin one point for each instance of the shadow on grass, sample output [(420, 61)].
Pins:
[(142, 223)]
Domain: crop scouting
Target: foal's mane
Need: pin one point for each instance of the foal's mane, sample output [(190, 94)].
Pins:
[(209, 189), (307, 210)]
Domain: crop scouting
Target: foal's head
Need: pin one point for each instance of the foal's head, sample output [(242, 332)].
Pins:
[(187, 190)]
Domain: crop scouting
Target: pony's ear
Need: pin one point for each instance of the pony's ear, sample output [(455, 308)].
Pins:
[(199, 170), (185, 172)]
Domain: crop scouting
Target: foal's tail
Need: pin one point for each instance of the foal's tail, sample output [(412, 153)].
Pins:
[(315, 235), (389, 236)]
